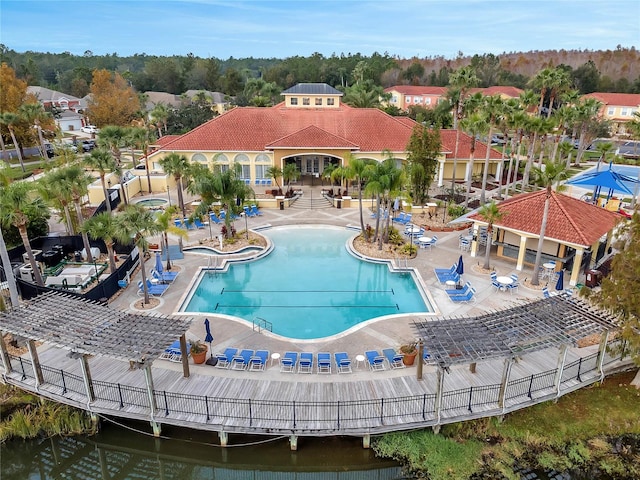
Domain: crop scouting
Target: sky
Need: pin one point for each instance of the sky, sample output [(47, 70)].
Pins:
[(281, 29)]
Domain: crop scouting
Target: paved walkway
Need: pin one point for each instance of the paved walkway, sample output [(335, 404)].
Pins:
[(390, 332)]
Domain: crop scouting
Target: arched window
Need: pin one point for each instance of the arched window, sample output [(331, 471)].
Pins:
[(221, 162), (244, 161), (199, 157)]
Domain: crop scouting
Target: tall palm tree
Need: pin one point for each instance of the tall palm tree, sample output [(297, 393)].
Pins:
[(57, 191), (461, 81), (559, 85), (290, 173), (34, 113), (79, 181), (357, 168), (166, 226), (586, 112), (113, 137), (101, 160), (142, 138), (492, 107), (103, 226), (10, 120), (565, 149), (276, 173), (136, 223), (542, 81), (547, 177), (178, 166), (491, 214), (159, 116), (17, 205), (4, 255), (475, 125)]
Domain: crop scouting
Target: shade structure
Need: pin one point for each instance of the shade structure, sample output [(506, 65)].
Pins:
[(560, 282), (460, 266), (158, 265), (608, 179)]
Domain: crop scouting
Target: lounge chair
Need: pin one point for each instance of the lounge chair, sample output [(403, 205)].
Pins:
[(446, 277), (248, 212), (153, 289), (259, 360), (305, 364), (400, 218), (255, 210), (198, 223), (173, 353), (406, 219), (324, 362), (343, 363), (178, 223), (444, 274), (394, 359), (459, 291), (214, 218), (241, 360), (225, 359), (468, 297), (375, 360), (164, 276), (289, 362)]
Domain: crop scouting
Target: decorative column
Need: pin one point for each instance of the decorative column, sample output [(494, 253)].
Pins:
[(35, 361), (575, 271), (604, 339), (562, 357), (506, 373), (184, 355), (521, 253), (440, 173), (86, 375), (439, 391), (152, 399)]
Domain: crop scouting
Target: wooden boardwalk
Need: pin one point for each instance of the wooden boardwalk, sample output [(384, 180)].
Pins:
[(275, 403)]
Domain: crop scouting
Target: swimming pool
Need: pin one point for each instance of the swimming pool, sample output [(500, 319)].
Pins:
[(308, 287), (152, 202)]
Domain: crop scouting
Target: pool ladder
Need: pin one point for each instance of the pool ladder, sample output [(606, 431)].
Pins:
[(260, 324), (399, 262), (215, 263)]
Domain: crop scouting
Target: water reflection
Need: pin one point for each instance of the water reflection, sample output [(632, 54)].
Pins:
[(122, 454)]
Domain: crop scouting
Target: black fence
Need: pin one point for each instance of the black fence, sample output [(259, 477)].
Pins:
[(321, 416)]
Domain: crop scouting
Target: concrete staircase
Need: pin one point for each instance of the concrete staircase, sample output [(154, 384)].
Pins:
[(306, 202)]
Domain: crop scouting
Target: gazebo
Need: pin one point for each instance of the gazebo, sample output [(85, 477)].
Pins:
[(574, 228)]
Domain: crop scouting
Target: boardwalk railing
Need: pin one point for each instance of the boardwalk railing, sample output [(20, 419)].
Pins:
[(314, 417)]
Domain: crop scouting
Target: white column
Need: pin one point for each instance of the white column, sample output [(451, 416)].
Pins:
[(521, 253), (575, 271), (441, 173)]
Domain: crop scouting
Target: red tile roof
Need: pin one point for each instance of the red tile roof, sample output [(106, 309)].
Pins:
[(254, 129), (165, 139), (618, 99), (570, 220), (513, 92)]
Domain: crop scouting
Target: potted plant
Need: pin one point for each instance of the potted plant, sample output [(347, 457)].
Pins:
[(199, 352), (409, 351)]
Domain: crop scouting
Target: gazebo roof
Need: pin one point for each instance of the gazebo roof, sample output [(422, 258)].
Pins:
[(570, 220), (538, 325), (87, 327)]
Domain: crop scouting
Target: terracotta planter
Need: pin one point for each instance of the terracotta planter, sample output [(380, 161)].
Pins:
[(409, 358), (200, 357)]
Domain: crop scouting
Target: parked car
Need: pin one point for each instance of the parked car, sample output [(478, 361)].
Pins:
[(89, 129), (498, 140), (88, 145)]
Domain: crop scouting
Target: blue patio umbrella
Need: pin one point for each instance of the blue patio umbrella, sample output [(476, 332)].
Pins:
[(609, 179), (460, 266), (560, 282), (158, 265), (209, 337)]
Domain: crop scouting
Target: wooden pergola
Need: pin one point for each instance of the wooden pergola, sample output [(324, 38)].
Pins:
[(86, 328)]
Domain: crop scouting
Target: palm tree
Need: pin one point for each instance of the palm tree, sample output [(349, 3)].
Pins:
[(17, 206), (492, 107), (565, 149), (113, 138), (491, 214), (10, 119), (159, 116), (542, 81), (475, 125), (586, 113), (136, 223), (290, 172), (547, 177), (103, 226), (166, 226), (101, 159), (178, 166), (275, 172), (34, 113), (4, 256), (56, 190), (357, 171), (79, 181), (142, 138)]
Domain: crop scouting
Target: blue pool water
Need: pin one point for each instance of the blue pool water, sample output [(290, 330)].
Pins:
[(308, 287)]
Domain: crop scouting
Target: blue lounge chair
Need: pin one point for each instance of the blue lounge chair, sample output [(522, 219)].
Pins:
[(468, 297), (289, 362), (407, 219), (256, 211), (164, 276), (248, 212), (173, 353), (400, 218), (225, 359), (259, 360), (375, 360), (343, 363), (459, 291), (214, 218), (394, 359), (324, 362), (242, 359), (153, 289), (198, 223), (444, 274), (189, 224), (178, 223), (305, 364)]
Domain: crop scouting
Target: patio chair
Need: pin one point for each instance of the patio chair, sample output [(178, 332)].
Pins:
[(324, 362), (164, 276), (198, 223), (241, 360), (459, 291), (173, 353), (407, 219), (514, 285), (446, 277), (189, 224), (343, 363), (394, 358), (467, 298), (259, 360), (225, 358), (305, 364), (248, 212), (375, 360), (214, 218), (494, 282), (400, 218), (289, 362)]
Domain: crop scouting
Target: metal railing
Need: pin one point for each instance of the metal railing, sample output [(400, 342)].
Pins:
[(260, 323), (314, 416)]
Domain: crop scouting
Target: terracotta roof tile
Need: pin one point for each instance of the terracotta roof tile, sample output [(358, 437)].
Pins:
[(619, 99), (417, 90), (570, 220), (312, 137)]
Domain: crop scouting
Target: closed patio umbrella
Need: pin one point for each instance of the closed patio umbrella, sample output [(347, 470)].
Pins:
[(158, 265), (460, 266), (560, 282), (208, 338)]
